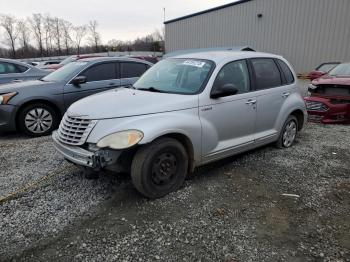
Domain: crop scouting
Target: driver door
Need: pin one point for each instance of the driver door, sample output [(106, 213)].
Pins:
[(99, 77), (228, 122)]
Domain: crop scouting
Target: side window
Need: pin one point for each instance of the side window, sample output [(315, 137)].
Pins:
[(100, 72), (2, 68), (11, 68), (21, 69), (266, 73), (235, 73), (130, 69), (286, 71)]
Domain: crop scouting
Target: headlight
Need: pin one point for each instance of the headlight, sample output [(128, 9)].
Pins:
[(4, 98), (121, 140), (311, 86)]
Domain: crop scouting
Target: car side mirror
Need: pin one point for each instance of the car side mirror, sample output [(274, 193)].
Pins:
[(224, 90), (79, 80)]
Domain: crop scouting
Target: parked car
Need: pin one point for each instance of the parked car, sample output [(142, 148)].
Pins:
[(184, 112), (67, 61), (329, 100), (322, 69), (15, 71), (151, 59), (44, 64), (36, 107)]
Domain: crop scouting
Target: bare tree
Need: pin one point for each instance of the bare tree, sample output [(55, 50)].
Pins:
[(79, 33), (8, 22), (23, 35), (57, 34), (37, 26), (66, 27), (94, 37)]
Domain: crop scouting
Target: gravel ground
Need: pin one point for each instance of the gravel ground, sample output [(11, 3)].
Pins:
[(232, 210)]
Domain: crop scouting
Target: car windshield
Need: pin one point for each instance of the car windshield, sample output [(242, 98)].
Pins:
[(68, 60), (179, 76), (341, 70), (64, 72), (326, 67)]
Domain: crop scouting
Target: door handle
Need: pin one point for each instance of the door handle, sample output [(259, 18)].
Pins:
[(286, 94), (251, 102), (111, 84), (16, 80)]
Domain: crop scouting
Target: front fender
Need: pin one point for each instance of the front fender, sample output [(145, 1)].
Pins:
[(184, 122)]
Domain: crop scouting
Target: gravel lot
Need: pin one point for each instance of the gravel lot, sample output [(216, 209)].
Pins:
[(232, 210)]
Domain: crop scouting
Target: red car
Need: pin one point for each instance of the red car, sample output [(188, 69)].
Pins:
[(67, 60), (322, 69), (329, 100)]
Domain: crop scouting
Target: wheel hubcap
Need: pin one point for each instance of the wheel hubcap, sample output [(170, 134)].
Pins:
[(164, 169), (289, 134), (38, 120)]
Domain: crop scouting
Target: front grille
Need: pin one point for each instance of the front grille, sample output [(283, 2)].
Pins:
[(75, 130), (316, 106)]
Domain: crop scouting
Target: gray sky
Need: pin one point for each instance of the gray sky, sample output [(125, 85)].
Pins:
[(119, 19)]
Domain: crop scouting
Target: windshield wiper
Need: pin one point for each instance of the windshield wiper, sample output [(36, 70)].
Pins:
[(151, 89)]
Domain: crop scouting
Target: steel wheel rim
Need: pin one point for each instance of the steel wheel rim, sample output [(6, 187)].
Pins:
[(164, 169), (38, 120), (289, 133)]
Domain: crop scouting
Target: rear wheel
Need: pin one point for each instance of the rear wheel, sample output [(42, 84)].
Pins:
[(37, 120), (288, 133), (159, 168)]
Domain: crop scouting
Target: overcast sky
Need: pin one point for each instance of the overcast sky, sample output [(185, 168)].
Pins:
[(119, 19)]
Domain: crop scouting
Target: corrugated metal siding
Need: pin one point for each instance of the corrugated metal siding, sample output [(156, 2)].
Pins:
[(306, 32)]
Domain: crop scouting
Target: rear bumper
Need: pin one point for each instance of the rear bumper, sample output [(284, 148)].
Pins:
[(7, 118), (334, 114)]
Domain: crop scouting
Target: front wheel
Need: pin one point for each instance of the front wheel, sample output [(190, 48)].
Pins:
[(159, 168), (288, 133), (37, 120)]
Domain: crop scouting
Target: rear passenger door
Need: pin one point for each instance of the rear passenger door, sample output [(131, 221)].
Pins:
[(99, 77), (271, 90), (131, 71)]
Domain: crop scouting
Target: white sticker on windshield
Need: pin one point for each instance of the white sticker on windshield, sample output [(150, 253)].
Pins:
[(194, 63)]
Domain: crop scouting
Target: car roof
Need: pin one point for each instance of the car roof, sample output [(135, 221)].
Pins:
[(15, 62), (113, 58), (219, 56)]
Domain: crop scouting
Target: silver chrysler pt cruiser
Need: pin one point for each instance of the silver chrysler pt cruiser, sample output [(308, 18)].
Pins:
[(184, 112)]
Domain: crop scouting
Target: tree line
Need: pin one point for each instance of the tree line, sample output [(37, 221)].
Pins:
[(43, 35)]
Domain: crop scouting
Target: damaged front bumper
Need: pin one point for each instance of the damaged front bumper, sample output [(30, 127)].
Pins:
[(96, 160)]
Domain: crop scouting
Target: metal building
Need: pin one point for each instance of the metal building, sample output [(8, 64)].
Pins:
[(305, 32)]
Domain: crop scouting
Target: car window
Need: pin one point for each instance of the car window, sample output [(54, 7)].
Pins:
[(21, 69), (266, 73), (326, 67), (65, 72), (129, 70), (100, 72), (2, 68), (235, 73), (286, 71)]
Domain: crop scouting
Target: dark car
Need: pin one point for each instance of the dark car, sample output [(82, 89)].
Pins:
[(36, 107), (329, 100), (322, 69), (15, 71), (53, 67)]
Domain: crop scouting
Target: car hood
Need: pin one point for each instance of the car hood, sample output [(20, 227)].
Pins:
[(124, 102), (332, 80), (16, 87)]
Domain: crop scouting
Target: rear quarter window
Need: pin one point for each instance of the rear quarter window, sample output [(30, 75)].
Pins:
[(286, 71)]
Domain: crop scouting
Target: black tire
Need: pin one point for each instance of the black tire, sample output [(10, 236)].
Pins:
[(42, 129), (281, 143), (159, 168)]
